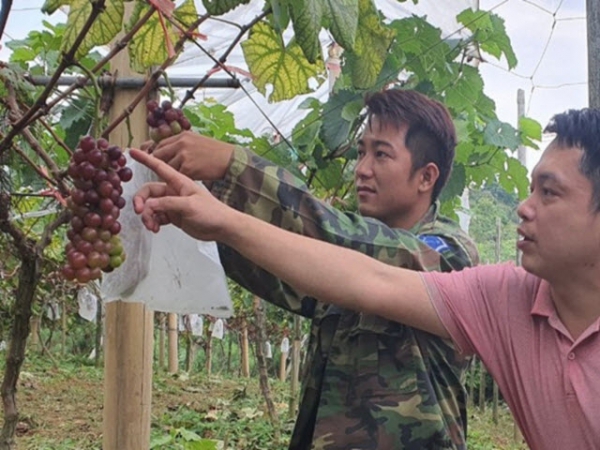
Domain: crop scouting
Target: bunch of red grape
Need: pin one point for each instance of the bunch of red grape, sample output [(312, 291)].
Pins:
[(164, 120), (97, 170)]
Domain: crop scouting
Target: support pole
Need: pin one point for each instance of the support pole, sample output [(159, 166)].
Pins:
[(129, 326)]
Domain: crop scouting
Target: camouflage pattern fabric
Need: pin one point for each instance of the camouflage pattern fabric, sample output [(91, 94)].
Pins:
[(368, 383)]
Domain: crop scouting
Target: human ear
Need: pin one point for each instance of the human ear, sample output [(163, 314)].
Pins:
[(429, 175)]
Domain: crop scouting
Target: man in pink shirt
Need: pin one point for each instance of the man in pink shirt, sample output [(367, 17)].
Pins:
[(536, 328)]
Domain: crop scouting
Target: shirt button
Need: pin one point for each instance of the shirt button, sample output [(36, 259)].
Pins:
[(571, 356)]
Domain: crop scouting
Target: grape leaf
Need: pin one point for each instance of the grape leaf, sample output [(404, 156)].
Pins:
[(307, 17), (218, 7), (103, 30), (373, 40), (284, 67), (50, 6), (149, 45), (490, 33)]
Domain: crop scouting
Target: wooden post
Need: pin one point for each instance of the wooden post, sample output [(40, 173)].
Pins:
[(129, 330), (173, 336), (34, 334), (63, 329), (245, 351), (162, 320), (295, 375), (282, 366)]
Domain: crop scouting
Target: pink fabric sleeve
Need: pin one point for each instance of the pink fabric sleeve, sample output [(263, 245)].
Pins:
[(476, 305)]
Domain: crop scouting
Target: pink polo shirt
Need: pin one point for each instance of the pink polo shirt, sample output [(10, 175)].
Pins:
[(506, 316)]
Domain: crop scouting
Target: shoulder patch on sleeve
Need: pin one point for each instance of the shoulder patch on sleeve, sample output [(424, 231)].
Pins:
[(435, 242)]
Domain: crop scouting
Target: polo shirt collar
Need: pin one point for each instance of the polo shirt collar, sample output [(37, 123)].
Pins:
[(543, 306)]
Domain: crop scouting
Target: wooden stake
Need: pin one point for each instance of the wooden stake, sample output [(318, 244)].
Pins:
[(129, 327), (162, 320), (245, 352), (173, 337)]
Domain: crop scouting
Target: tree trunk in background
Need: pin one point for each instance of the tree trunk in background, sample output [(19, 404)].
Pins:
[(173, 344), (295, 376), (263, 374), (29, 276), (244, 353)]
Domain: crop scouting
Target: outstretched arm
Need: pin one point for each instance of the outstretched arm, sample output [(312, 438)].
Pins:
[(332, 274)]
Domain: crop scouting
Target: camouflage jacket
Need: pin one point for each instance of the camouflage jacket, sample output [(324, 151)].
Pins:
[(369, 383)]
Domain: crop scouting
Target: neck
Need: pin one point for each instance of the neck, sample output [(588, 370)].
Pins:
[(415, 215), (576, 302)]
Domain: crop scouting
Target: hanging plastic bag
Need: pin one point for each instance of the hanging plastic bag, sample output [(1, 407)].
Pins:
[(88, 304), (217, 329), (285, 346), (268, 350), (196, 324), (168, 271)]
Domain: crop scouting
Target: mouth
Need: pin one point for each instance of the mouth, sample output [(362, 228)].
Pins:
[(524, 238), (364, 190)]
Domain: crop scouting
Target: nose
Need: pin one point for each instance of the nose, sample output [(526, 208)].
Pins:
[(364, 168), (526, 210)]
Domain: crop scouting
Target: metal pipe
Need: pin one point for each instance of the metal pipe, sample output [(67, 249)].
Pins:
[(137, 83)]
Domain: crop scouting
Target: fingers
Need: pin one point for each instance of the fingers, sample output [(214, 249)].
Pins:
[(147, 191), (148, 146), (176, 181)]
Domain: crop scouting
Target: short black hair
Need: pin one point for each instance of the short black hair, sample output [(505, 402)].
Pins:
[(581, 128), (431, 136)]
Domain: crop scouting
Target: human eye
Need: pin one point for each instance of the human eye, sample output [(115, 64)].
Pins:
[(381, 154), (361, 153)]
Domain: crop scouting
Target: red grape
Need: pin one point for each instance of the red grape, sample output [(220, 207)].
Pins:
[(97, 170)]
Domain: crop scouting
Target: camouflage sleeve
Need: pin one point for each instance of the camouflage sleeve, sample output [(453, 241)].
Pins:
[(266, 191)]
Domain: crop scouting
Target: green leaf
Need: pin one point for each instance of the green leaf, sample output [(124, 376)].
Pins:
[(342, 17), (50, 6), (218, 7), (285, 68), (106, 26), (530, 131), (307, 17), (465, 90), (373, 40), (490, 32), (149, 45), (456, 183), (501, 134), (331, 176), (281, 14), (335, 126)]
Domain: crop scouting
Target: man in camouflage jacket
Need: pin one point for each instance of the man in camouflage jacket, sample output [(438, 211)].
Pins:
[(369, 383)]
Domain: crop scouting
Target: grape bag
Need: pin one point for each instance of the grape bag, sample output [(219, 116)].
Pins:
[(167, 271)]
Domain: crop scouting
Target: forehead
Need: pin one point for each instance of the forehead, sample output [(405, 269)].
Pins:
[(560, 164), (375, 128)]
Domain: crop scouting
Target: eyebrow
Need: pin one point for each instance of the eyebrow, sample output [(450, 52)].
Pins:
[(548, 176), (375, 142)]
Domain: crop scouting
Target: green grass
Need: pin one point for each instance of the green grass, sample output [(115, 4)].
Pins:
[(61, 409)]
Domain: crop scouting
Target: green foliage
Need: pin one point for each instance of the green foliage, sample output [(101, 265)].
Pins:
[(488, 207), (339, 16), (149, 46), (102, 31), (283, 66), (218, 7), (366, 58)]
